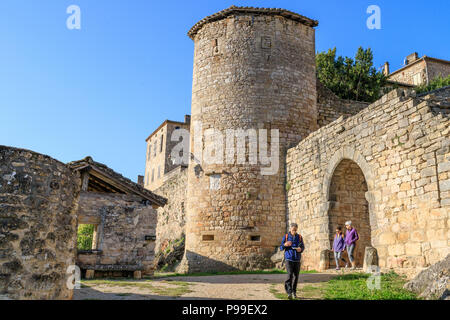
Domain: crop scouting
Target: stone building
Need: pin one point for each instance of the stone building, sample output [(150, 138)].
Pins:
[(384, 165), (418, 71), (159, 146), (124, 216)]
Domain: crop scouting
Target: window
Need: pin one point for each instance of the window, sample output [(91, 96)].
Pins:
[(149, 152), (87, 237), (153, 174), (154, 149), (255, 238), (161, 145), (159, 172), (208, 237)]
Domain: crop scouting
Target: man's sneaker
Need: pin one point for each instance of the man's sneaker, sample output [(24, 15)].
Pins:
[(294, 295), (346, 265), (338, 268), (290, 297)]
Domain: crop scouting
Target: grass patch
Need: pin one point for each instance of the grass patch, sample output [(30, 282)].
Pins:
[(277, 294), (354, 287), (311, 291), (174, 288), (124, 294)]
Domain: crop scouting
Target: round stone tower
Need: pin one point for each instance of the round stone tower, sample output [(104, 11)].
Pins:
[(254, 80)]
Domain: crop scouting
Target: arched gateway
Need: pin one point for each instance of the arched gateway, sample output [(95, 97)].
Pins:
[(346, 191)]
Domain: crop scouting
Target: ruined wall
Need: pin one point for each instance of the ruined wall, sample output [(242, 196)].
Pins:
[(436, 69), (251, 71), (330, 107), (172, 217), (124, 221), (402, 146), (38, 197)]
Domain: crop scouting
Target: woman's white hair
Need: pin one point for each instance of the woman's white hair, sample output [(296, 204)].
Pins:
[(348, 223)]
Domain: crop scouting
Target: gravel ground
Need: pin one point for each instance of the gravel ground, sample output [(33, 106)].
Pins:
[(240, 287)]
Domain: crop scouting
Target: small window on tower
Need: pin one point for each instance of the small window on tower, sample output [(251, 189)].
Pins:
[(161, 145), (255, 238), (208, 237)]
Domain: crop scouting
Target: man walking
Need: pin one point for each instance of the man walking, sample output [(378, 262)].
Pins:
[(292, 244)]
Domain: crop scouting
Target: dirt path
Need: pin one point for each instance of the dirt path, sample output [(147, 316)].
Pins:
[(241, 287)]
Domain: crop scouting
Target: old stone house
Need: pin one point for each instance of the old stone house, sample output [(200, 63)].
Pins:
[(124, 217), (417, 71)]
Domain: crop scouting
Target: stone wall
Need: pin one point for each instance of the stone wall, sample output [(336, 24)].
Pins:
[(252, 70), (401, 144), (172, 217), (330, 107), (436, 69), (38, 201), (123, 222)]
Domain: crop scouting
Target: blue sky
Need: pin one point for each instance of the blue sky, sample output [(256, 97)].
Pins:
[(102, 90)]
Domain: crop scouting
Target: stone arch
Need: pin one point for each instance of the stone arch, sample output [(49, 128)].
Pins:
[(359, 202)]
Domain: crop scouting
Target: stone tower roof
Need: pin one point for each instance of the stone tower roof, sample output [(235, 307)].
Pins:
[(258, 11)]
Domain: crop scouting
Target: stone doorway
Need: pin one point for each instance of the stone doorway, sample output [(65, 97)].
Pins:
[(347, 200)]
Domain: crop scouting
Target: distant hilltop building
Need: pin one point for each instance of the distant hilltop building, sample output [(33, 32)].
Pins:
[(417, 71), (384, 166)]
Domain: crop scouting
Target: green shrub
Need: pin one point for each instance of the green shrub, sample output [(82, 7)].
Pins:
[(436, 83), (85, 236)]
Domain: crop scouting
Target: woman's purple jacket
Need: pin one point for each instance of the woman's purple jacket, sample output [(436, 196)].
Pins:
[(351, 236), (338, 243)]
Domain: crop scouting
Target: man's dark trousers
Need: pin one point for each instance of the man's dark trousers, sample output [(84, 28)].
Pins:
[(293, 269)]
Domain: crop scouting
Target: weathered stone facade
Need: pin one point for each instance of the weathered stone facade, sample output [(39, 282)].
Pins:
[(124, 221), (396, 152), (38, 221), (419, 71), (159, 147), (124, 217), (172, 217), (253, 69), (330, 107)]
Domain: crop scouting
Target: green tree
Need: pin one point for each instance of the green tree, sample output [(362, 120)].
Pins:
[(348, 78), (85, 235)]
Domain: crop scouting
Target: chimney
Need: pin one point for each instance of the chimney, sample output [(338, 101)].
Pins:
[(411, 58), (140, 180), (187, 118), (386, 69)]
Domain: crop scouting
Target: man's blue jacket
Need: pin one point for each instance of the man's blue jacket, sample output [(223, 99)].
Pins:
[(290, 253)]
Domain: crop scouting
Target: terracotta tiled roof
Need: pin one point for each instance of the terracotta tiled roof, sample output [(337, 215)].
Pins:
[(267, 11), (125, 184)]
